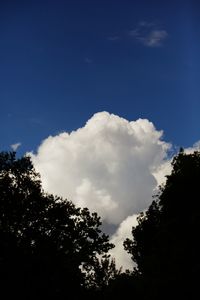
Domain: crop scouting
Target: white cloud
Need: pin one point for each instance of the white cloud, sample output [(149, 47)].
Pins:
[(107, 165), (154, 38), (195, 147), (148, 34), (162, 171), (15, 146), (124, 231), (165, 168), (110, 165)]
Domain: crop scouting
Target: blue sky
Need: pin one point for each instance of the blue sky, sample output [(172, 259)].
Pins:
[(62, 61)]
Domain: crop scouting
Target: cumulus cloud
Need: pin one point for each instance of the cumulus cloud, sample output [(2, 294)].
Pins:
[(124, 231), (110, 165), (165, 167), (148, 34), (107, 165), (162, 171), (15, 146), (195, 147)]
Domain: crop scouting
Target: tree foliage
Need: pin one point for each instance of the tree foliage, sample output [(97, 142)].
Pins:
[(51, 249), (102, 273), (45, 241), (165, 244)]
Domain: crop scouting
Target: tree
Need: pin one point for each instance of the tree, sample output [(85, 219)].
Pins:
[(45, 241), (102, 273), (165, 243)]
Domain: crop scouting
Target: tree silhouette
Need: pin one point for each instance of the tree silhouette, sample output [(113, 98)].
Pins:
[(46, 243), (165, 243), (102, 273)]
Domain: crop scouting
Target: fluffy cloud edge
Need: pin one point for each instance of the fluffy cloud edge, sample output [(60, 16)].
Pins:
[(106, 166)]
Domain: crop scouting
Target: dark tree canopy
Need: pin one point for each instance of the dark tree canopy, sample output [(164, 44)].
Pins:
[(45, 241), (165, 243), (49, 249)]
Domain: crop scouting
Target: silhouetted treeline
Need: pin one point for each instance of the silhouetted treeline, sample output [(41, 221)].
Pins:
[(49, 249), (165, 244)]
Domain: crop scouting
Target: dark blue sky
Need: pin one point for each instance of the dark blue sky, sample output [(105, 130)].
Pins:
[(62, 61)]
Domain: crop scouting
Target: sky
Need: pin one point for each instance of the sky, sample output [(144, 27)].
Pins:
[(99, 92), (63, 61)]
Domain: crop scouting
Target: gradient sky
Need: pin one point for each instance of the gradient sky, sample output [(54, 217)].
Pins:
[(62, 61)]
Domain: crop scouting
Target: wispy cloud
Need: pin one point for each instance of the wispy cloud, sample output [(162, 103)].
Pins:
[(148, 34), (155, 38), (88, 60), (36, 121), (113, 38), (146, 24), (15, 146)]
